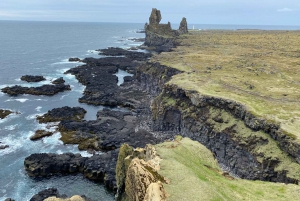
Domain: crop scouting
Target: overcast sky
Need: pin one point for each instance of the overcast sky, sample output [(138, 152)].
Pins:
[(248, 12)]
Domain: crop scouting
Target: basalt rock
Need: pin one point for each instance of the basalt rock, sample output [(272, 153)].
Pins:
[(108, 132), (75, 59), (3, 146), (4, 113), (161, 37), (44, 194), (58, 81), (40, 134), (98, 167), (48, 90), (63, 113), (32, 78), (116, 51), (183, 27)]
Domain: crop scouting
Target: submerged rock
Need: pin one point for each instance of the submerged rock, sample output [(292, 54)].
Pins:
[(48, 90), (63, 113), (32, 78)]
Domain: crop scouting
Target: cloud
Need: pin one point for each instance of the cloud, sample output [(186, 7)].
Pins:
[(285, 10)]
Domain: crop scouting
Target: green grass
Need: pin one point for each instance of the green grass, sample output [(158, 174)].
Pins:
[(195, 175), (259, 69)]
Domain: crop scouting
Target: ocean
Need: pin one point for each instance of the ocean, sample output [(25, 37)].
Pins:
[(43, 48)]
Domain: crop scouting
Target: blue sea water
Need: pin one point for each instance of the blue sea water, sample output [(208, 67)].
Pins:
[(43, 48)]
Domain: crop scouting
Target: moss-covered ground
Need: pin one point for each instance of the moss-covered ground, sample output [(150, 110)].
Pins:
[(194, 174), (259, 69)]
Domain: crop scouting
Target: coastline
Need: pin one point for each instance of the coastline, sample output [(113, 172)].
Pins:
[(175, 110)]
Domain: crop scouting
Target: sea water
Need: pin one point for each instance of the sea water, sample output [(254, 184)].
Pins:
[(43, 48)]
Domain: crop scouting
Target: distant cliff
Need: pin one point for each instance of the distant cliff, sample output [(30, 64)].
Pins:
[(161, 36)]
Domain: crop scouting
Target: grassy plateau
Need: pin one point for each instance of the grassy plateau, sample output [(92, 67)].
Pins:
[(259, 69)]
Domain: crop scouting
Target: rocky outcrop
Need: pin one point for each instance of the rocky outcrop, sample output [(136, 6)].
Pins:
[(32, 78), (47, 90), (116, 51), (75, 59), (108, 132), (3, 146), (44, 194), (137, 176), (98, 167), (161, 37), (58, 81), (183, 27), (63, 113), (40, 134), (4, 113)]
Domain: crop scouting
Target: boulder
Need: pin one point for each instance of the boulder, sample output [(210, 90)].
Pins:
[(58, 81), (75, 59), (4, 113), (40, 134), (32, 78)]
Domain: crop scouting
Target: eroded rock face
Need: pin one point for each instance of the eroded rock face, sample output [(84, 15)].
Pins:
[(140, 166), (183, 28), (161, 37), (156, 192)]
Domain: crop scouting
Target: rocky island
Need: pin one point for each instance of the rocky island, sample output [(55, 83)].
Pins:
[(214, 115)]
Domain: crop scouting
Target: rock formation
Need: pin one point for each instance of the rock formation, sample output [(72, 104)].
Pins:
[(183, 29), (161, 36), (32, 78), (142, 181)]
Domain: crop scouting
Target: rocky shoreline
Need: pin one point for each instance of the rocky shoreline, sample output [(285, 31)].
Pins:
[(156, 112)]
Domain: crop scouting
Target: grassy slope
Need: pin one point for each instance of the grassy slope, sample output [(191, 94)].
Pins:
[(259, 69), (185, 164)]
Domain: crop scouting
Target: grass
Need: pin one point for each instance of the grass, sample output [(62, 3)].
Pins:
[(194, 174), (259, 69)]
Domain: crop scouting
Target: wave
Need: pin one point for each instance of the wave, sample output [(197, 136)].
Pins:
[(33, 116), (38, 108), (11, 127), (93, 51)]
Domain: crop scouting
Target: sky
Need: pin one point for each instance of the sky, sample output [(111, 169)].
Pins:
[(240, 12)]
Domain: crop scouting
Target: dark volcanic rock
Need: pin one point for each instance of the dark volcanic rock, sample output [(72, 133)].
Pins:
[(9, 199), (75, 59), (101, 83), (183, 28), (4, 113), (32, 78), (108, 132), (47, 90), (98, 167), (116, 51), (45, 194), (3, 146), (44, 164), (58, 81), (63, 113), (40, 134)]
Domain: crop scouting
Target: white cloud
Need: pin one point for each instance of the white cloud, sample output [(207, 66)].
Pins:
[(285, 10)]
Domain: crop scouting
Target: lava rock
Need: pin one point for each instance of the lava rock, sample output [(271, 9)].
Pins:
[(74, 59), (48, 90), (58, 81), (32, 78), (116, 51), (63, 113), (50, 192), (40, 134), (3, 146), (4, 113)]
